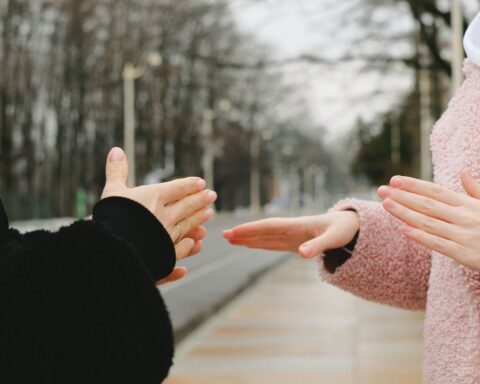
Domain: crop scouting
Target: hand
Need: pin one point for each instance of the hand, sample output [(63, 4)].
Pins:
[(442, 220), (308, 236), (180, 205)]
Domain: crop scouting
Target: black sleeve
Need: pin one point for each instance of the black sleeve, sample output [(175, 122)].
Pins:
[(80, 306), (134, 223)]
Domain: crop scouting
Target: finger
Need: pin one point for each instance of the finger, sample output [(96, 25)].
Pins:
[(175, 190), (266, 245), (272, 226), (259, 239), (197, 233), (197, 248), (116, 169), (330, 239), (469, 184), (428, 189), (418, 220), (183, 248), (439, 244), (179, 230), (422, 204), (189, 205), (177, 274)]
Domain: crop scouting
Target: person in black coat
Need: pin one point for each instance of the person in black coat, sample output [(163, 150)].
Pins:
[(81, 305)]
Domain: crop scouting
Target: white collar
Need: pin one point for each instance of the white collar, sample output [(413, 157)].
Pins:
[(471, 41)]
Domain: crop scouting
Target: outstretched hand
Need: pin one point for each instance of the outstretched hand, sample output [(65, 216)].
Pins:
[(442, 220), (308, 236), (180, 205)]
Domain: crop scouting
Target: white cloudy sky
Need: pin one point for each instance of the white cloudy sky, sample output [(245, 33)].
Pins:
[(340, 94)]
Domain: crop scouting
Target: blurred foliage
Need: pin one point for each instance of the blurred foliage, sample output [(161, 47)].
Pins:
[(374, 155), (61, 96), (376, 159)]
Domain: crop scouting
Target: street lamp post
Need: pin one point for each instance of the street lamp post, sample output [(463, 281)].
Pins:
[(130, 74), (255, 198), (211, 145), (426, 121), (457, 46), (208, 157)]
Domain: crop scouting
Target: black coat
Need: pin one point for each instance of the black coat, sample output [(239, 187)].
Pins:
[(80, 305)]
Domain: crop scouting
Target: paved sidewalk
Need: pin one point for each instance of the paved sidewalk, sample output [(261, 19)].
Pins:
[(292, 328)]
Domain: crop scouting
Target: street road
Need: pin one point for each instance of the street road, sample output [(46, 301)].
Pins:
[(216, 275)]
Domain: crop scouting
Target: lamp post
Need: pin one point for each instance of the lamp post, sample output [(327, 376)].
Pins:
[(130, 74), (255, 198), (457, 46), (426, 121), (211, 146), (208, 157)]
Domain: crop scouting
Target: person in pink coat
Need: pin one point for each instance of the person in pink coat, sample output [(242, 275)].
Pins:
[(420, 248)]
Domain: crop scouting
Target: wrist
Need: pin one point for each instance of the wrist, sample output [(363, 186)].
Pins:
[(354, 218)]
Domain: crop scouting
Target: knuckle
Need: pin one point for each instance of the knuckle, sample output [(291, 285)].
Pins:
[(468, 219), (429, 223), (187, 225), (461, 255), (179, 251), (427, 205), (185, 245), (439, 245), (467, 236), (436, 191), (194, 182), (182, 186), (198, 200), (205, 197), (191, 183), (191, 205), (197, 219), (472, 219), (179, 185)]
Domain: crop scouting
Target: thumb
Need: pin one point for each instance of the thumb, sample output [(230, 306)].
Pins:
[(469, 184), (116, 169), (318, 245)]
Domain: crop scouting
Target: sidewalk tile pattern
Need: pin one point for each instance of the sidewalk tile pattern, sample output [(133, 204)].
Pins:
[(292, 328)]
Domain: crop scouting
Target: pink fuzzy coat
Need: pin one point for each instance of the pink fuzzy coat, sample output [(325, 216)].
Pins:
[(389, 268)]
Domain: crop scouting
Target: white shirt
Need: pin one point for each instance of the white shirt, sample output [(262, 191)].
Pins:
[(471, 41)]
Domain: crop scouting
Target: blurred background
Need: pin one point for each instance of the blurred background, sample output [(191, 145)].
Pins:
[(282, 106), (278, 104)]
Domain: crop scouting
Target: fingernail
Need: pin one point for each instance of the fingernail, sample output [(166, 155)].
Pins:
[(202, 183), (383, 191), (212, 196), (116, 154), (396, 181), (389, 203), (207, 214), (305, 250)]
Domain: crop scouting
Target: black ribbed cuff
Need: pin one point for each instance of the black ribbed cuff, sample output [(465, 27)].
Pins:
[(335, 258), (135, 224)]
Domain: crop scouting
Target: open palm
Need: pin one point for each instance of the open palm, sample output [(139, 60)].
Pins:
[(308, 236)]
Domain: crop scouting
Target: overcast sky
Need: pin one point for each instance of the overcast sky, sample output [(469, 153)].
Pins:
[(337, 95)]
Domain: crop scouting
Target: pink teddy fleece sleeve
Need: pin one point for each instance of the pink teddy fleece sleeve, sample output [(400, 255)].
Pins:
[(385, 266)]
